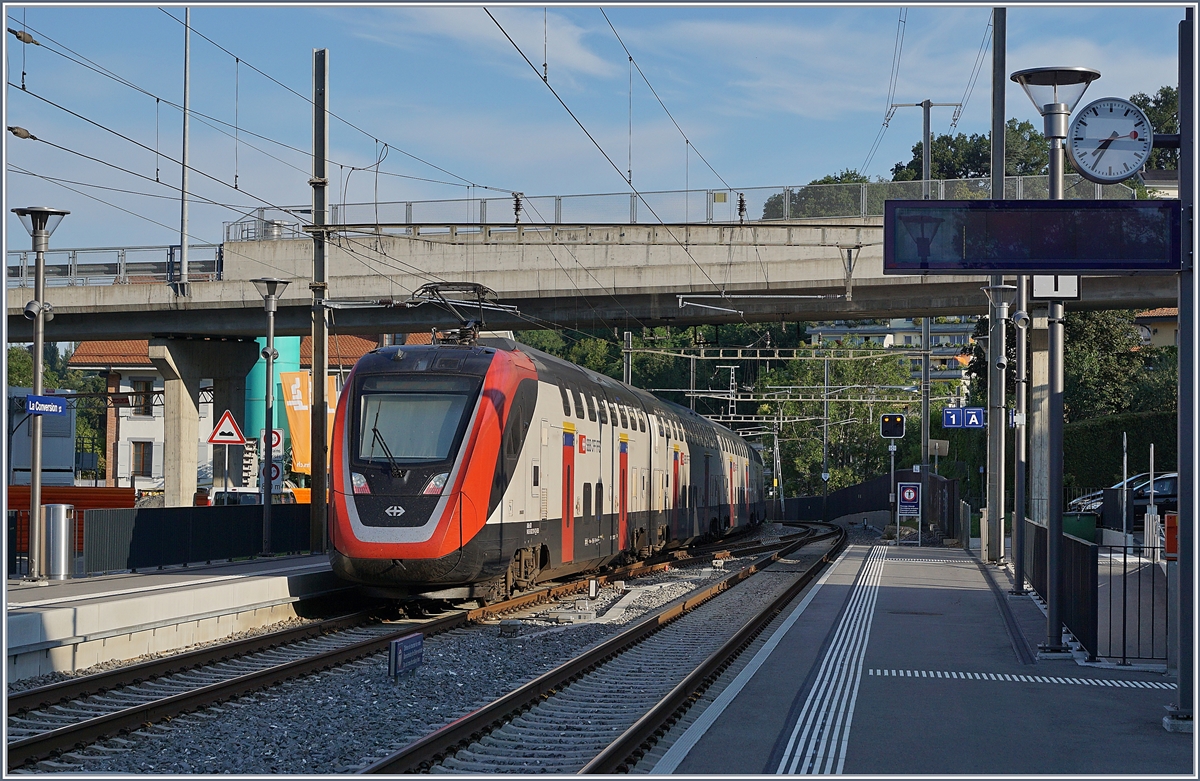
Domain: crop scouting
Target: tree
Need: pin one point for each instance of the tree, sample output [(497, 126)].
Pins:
[(1163, 112), (815, 200), (970, 157)]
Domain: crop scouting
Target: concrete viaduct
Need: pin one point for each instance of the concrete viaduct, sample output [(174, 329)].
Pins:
[(578, 276)]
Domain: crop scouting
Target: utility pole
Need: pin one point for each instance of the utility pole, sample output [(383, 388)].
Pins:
[(992, 533), (924, 519), (825, 449), (627, 359), (181, 286), (320, 325), (1021, 320), (926, 156)]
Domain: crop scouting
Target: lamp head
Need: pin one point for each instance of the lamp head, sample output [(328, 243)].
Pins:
[(40, 218), (1047, 86), (270, 287), (1020, 319), (32, 309)]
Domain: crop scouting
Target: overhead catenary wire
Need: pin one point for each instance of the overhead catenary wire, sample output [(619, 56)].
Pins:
[(336, 116), (893, 80), (120, 189), (634, 64), (984, 46), (595, 143)]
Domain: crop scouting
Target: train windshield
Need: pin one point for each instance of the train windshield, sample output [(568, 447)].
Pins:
[(409, 419)]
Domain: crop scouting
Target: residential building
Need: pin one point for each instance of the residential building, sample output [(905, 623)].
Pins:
[(1158, 327), (948, 336), (135, 428)]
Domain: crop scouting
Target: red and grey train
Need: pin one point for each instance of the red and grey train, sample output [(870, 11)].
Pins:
[(471, 471)]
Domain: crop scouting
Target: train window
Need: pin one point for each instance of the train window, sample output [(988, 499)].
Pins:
[(624, 418), (578, 402), (660, 428), (642, 423), (587, 500), (565, 399), (537, 474), (591, 407), (599, 501), (602, 410)]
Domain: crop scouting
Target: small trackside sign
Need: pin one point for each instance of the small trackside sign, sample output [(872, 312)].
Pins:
[(45, 405), (405, 654), (226, 432), (910, 499)]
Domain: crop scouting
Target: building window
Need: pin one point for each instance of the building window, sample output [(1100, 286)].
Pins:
[(142, 459), (143, 398)]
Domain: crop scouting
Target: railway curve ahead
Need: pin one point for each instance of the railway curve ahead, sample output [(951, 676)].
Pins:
[(600, 712)]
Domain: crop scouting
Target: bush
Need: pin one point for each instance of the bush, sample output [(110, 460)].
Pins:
[(1092, 448)]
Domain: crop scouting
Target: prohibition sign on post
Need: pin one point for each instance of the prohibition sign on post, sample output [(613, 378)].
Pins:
[(910, 499)]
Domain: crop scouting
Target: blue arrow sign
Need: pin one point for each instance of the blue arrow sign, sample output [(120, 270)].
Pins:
[(45, 405), (973, 417), (952, 417)]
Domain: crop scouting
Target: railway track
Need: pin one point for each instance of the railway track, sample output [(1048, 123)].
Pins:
[(597, 712), (47, 721)]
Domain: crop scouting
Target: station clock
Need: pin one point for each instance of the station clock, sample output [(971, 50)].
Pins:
[(1109, 140)]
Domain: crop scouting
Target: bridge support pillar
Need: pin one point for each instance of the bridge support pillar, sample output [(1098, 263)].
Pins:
[(183, 363), (1038, 426)]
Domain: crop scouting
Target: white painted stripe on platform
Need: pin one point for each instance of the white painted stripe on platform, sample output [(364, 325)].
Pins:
[(1016, 678), (819, 739), (161, 586), (901, 560), (688, 740)]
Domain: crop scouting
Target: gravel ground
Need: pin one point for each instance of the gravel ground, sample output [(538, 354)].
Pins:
[(49, 678), (337, 720)]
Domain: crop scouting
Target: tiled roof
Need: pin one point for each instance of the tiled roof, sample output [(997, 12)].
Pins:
[(344, 350), (419, 337), (1166, 311), (111, 354)]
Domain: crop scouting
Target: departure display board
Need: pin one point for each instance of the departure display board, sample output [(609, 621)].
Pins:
[(1023, 237)]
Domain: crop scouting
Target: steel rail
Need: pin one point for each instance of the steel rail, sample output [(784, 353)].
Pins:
[(629, 746), (421, 754), (52, 742), (75, 688)]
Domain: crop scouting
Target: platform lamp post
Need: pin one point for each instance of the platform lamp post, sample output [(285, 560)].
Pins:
[(1055, 92), (270, 289), (40, 221)]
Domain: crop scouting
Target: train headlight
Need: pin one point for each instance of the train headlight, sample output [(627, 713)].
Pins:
[(360, 483), (436, 484)]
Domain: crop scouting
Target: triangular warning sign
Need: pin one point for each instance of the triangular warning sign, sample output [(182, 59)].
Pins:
[(226, 432)]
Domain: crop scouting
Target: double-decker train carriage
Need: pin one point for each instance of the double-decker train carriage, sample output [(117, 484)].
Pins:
[(471, 471)]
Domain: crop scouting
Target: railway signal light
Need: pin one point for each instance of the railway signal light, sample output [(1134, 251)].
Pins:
[(891, 426)]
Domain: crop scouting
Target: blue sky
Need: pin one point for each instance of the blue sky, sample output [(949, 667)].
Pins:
[(769, 95)]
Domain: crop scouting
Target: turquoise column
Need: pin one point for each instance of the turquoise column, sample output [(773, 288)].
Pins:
[(256, 387)]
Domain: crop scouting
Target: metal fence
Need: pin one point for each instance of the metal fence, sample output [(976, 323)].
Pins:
[(751, 204), (1079, 587), (116, 265), (1133, 617), (942, 502), (133, 539)]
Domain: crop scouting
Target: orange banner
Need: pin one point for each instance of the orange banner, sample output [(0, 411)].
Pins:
[(297, 397)]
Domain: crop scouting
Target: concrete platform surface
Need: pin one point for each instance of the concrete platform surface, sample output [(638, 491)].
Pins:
[(67, 625), (914, 661)]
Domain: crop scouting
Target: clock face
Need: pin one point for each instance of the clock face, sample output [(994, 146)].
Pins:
[(1109, 140)]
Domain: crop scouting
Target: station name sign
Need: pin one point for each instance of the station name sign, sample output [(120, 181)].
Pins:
[(1022, 237)]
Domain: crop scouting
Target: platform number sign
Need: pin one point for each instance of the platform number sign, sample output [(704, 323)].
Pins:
[(891, 426), (952, 417), (910, 499)]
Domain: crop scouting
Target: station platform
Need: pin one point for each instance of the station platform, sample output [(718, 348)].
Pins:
[(68, 625), (916, 661)]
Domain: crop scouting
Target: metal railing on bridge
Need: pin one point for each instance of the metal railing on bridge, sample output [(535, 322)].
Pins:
[(752, 204), (117, 265)]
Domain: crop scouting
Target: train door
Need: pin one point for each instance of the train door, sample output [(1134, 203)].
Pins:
[(732, 518), (568, 493), (676, 531), (623, 493), (542, 471), (707, 490)]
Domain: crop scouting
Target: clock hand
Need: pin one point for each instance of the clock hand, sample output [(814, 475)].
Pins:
[(1099, 151)]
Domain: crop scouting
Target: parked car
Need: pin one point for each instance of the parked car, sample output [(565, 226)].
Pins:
[(1166, 495), (237, 495), (1090, 503)]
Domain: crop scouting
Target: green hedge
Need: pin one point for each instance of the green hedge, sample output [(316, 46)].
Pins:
[(1092, 448)]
